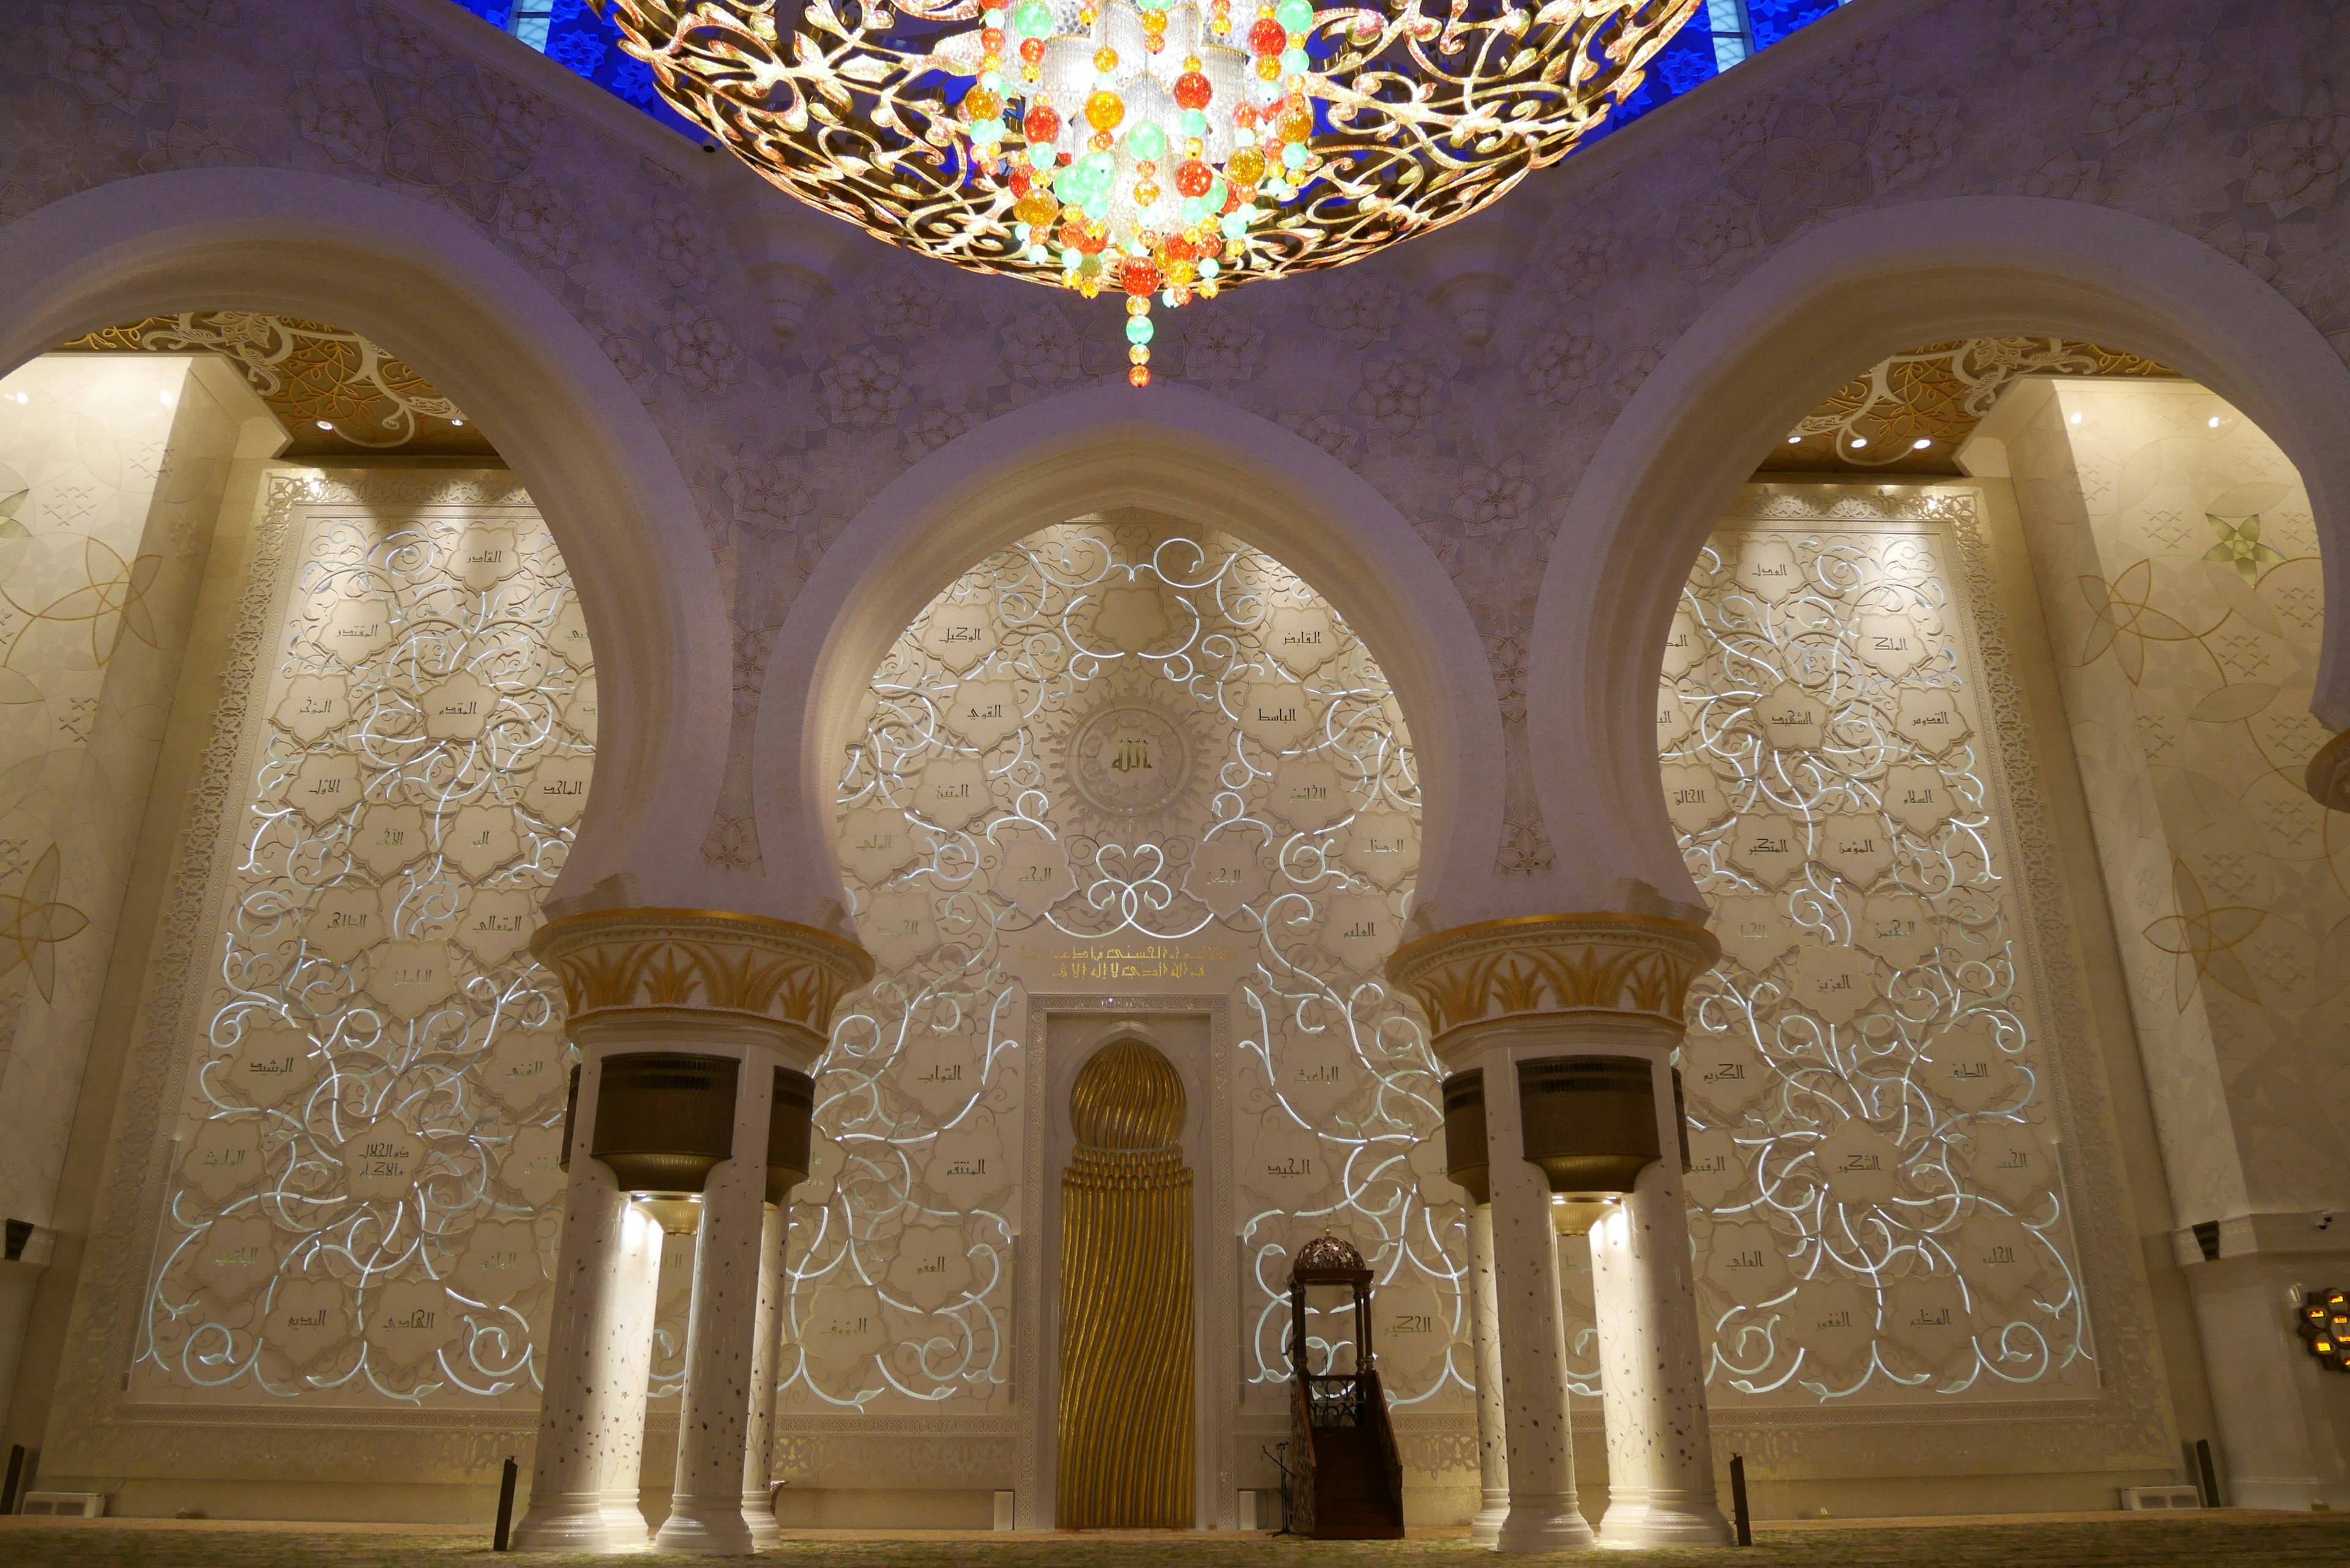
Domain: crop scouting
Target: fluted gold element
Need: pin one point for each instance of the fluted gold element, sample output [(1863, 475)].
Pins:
[(776, 971), (1126, 1414), (1540, 964)]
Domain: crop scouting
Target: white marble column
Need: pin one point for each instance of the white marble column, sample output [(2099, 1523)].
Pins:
[(762, 991), (1492, 1437), (758, 1455), (636, 1302), (1544, 1515), (706, 1515), (1607, 982), (1660, 1445), (578, 1414)]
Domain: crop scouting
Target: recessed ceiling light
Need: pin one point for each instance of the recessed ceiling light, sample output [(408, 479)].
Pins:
[(459, 423), (1921, 444), (2215, 422), (165, 398), (1794, 441), (325, 424), (1860, 441), (2077, 419)]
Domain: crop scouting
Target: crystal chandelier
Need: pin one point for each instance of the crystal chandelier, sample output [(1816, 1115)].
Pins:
[(1166, 148)]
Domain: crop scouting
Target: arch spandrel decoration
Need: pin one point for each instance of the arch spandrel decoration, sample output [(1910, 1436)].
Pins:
[(1881, 1211), (1122, 756), (365, 1197)]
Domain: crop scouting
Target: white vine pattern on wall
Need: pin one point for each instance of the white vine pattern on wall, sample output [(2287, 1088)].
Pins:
[(366, 1200), (1116, 756), (1877, 1203)]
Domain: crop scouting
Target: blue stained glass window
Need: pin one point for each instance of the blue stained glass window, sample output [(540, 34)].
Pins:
[(1721, 33), (573, 36)]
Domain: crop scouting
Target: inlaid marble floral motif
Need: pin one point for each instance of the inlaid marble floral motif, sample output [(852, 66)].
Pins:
[(365, 1199), (1879, 1206), (1120, 757)]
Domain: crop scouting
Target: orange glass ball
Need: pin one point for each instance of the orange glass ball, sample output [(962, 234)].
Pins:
[(1104, 110), (1296, 121), (1140, 375), (983, 103), (1032, 50), (1139, 277), (1193, 178), (1246, 166)]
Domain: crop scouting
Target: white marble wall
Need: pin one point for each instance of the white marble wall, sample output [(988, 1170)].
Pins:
[(111, 469)]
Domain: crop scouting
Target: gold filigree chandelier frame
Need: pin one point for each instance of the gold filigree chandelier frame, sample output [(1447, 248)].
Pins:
[(1431, 110)]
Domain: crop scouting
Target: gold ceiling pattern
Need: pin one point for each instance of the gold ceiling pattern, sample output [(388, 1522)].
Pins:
[(336, 393), (1936, 395)]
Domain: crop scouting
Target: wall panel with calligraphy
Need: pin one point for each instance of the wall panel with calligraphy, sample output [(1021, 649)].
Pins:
[(362, 1203)]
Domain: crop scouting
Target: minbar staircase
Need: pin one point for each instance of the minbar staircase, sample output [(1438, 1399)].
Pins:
[(1348, 1484), (1347, 1479)]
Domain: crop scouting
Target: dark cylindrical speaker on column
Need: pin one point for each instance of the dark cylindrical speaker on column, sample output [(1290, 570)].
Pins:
[(570, 1117), (1590, 1122), (1680, 1118), (1464, 1134), (788, 1132), (664, 1119)]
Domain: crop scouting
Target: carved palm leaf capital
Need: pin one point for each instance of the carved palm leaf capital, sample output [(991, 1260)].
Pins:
[(777, 971), (1545, 964)]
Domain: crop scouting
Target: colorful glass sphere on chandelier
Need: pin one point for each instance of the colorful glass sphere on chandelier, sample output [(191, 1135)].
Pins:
[(1159, 148), (1154, 137)]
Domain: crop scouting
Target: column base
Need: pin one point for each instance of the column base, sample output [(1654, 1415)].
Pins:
[(624, 1523), (1486, 1527), (759, 1513), (696, 1528), (1544, 1524), (573, 1522), (1667, 1519)]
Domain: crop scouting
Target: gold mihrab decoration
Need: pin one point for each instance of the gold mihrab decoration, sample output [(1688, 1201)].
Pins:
[(1937, 394), (313, 376)]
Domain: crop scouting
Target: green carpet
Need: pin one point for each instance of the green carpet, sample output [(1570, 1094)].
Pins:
[(2138, 1543)]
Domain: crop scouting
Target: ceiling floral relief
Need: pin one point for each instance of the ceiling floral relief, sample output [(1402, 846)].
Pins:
[(334, 392), (2214, 119)]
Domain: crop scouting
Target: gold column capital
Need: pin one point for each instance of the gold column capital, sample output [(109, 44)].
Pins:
[(751, 967), (1545, 965), (2327, 777)]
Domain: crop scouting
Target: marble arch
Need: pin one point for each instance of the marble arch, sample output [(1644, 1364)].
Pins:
[(412, 275), (1792, 331), (1174, 450)]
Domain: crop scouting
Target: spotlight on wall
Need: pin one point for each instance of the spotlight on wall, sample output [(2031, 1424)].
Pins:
[(164, 398), (2077, 419), (2215, 422), (1921, 444), (1794, 441), (1860, 441), (325, 424), (458, 424), (2325, 1327)]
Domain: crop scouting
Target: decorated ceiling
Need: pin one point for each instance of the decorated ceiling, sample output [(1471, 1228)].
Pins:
[(337, 395)]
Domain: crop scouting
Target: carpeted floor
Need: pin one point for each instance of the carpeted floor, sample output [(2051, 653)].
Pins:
[(2262, 1539)]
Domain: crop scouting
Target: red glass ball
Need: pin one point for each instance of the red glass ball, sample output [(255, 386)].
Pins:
[(1267, 37), (1043, 123), (1139, 277), (1192, 90), (1193, 178)]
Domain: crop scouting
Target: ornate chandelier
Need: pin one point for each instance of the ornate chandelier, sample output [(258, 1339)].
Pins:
[(1167, 148)]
